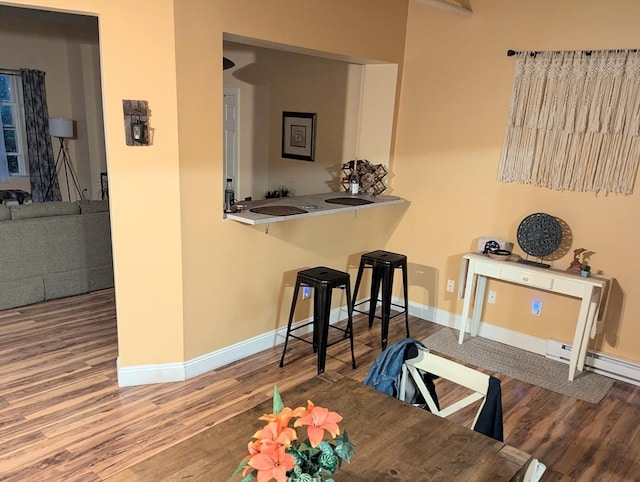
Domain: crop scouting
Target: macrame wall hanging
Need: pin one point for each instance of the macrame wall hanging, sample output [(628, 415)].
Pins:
[(574, 121)]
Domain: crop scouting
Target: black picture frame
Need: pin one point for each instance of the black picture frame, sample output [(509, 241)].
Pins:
[(299, 135)]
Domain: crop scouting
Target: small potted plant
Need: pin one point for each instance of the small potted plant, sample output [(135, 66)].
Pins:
[(279, 191)]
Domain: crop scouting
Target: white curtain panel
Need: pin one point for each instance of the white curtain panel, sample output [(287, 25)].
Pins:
[(574, 121)]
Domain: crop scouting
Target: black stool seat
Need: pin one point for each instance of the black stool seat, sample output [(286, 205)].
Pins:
[(323, 280), (383, 265)]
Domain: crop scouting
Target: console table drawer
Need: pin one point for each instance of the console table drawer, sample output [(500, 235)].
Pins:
[(488, 269), (526, 278)]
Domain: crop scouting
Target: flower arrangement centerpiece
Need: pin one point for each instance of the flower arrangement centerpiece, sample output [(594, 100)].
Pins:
[(276, 452)]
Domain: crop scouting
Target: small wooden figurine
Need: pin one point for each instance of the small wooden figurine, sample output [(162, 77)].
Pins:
[(576, 266)]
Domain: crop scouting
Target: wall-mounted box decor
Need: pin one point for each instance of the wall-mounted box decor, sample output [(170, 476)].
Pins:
[(136, 122)]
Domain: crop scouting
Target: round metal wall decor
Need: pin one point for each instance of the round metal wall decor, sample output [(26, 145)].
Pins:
[(539, 234)]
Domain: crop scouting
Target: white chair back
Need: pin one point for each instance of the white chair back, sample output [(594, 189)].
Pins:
[(455, 372), (459, 374)]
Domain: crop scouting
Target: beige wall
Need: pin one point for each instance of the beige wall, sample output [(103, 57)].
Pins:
[(272, 81), (189, 282), (237, 280), (70, 58), (328, 81), (144, 182), (454, 101)]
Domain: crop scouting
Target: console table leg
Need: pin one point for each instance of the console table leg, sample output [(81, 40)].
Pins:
[(591, 319), (478, 304), (468, 290), (581, 327)]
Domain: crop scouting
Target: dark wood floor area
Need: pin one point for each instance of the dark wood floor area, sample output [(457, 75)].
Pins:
[(63, 417)]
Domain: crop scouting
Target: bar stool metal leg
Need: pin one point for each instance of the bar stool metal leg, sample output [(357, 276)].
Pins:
[(350, 323), (358, 280), (387, 289), (324, 310), (291, 312), (405, 285), (373, 294), (317, 316)]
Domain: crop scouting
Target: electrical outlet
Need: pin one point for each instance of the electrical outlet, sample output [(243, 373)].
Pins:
[(450, 285), (536, 307), (306, 292), (492, 298)]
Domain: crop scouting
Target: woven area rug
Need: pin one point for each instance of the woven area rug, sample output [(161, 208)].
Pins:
[(520, 364)]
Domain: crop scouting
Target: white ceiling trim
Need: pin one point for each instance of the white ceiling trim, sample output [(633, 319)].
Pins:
[(457, 9)]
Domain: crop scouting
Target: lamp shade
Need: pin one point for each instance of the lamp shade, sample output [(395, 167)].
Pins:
[(59, 127)]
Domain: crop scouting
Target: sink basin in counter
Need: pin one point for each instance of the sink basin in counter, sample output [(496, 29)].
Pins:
[(312, 204)]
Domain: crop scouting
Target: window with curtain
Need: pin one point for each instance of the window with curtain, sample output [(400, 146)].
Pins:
[(574, 121), (12, 141)]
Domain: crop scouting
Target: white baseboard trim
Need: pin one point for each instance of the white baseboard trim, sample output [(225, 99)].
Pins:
[(148, 374), (486, 330), (181, 371), (596, 362)]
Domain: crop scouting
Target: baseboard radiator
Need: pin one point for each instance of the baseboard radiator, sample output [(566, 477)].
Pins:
[(598, 363)]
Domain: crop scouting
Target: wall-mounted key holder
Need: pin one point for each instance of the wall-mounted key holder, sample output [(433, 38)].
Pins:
[(136, 122)]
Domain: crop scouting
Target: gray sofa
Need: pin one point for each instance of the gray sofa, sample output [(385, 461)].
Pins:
[(52, 250)]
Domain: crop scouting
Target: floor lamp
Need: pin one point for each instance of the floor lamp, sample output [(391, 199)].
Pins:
[(62, 129)]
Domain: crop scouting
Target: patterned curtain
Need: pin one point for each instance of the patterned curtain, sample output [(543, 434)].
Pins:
[(4, 171), (39, 149), (574, 121)]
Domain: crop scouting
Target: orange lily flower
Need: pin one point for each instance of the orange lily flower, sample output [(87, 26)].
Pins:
[(272, 463), (319, 419), (282, 418), (301, 411), (273, 434)]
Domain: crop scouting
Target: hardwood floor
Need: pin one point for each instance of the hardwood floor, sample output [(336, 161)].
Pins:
[(63, 416)]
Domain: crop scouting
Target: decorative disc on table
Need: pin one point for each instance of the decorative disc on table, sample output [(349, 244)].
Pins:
[(278, 210), (539, 235), (349, 201)]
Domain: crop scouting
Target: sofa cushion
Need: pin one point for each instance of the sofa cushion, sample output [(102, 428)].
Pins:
[(93, 206), (21, 292), (43, 210), (5, 213)]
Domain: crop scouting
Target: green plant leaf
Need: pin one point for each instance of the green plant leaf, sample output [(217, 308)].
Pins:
[(344, 448), (241, 466), (277, 401), (248, 477)]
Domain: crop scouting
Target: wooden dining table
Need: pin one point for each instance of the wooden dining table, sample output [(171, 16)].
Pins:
[(394, 441)]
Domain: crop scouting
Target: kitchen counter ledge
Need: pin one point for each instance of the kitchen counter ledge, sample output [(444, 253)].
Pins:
[(314, 204)]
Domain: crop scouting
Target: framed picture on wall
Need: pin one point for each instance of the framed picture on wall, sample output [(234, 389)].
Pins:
[(298, 135)]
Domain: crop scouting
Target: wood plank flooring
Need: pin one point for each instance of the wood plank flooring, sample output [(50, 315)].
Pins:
[(63, 416)]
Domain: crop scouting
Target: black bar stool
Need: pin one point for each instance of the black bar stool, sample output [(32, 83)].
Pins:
[(383, 265), (323, 281)]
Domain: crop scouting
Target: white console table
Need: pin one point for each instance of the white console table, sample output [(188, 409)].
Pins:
[(589, 290)]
